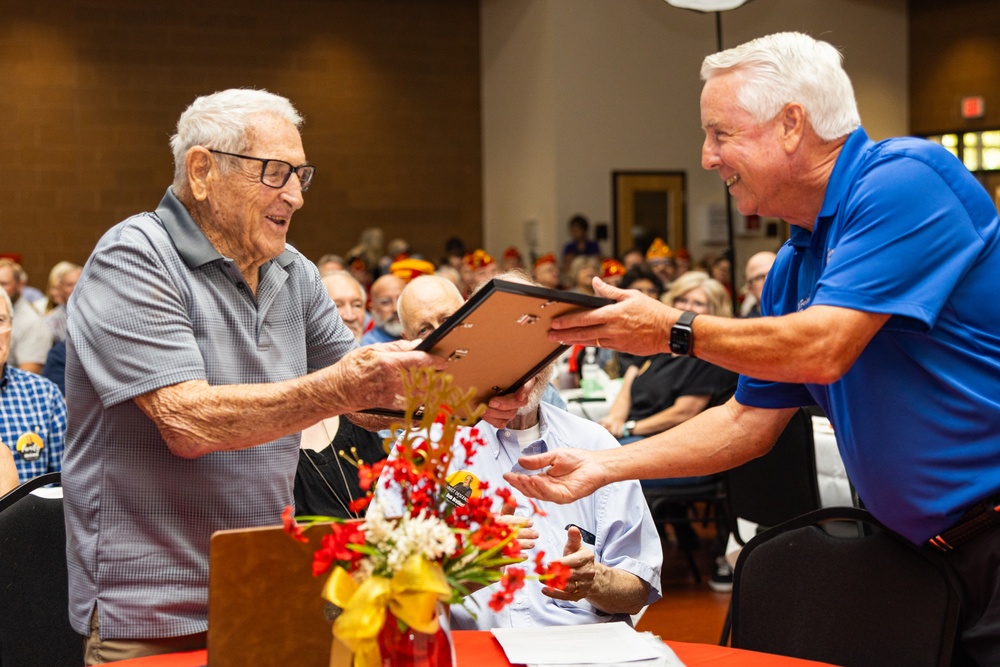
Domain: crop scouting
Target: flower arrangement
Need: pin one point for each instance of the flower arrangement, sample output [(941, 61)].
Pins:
[(404, 567)]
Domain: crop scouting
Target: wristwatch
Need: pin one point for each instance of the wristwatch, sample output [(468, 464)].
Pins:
[(628, 427), (681, 336)]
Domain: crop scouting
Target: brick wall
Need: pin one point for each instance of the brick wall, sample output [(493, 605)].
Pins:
[(91, 90)]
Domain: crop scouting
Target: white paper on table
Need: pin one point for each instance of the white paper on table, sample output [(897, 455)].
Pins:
[(595, 644)]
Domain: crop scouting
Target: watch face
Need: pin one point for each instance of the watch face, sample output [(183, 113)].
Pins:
[(680, 340)]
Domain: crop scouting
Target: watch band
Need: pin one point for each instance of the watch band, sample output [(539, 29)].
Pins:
[(627, 428)]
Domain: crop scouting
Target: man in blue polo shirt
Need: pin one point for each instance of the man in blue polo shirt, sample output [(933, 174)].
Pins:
[(898, 345)]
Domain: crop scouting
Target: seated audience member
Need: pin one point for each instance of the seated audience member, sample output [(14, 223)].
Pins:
[(633, 257), (361, 270), (395, 250), (512, 259), (55, 365), (639, 277), (582, 270), (61, 284), (546, 272), (53, 291), (612, 271), (31, 338), (350, 297), (454, 253), (370, 248), (32, 410), (452, 275), (385, 291), (664, 390), (756, 271), (580, 243), (661, 260), (682, 262), (615, 559), (721, 270), (428, 301), (329, 263), (8, 471), (483, 268), (326, 479)]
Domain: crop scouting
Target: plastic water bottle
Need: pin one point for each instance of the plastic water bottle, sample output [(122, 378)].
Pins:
[(590, 374)]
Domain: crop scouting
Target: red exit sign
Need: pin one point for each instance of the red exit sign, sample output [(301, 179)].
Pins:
[(973, 107)]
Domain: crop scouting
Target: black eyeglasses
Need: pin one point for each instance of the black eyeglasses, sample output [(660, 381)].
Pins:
[(275, 173)]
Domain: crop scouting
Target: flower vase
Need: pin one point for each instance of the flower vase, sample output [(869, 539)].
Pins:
[(409, 648)]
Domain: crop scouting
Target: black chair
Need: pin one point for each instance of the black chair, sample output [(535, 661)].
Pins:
[(682, 502), (779, 485), (874, 599), (775, 487), (34, 593)]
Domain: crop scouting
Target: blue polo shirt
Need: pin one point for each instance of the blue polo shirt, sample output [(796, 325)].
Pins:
[(905, 230)]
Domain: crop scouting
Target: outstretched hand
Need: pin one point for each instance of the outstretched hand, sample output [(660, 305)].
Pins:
[(571, 474), (636, 323)]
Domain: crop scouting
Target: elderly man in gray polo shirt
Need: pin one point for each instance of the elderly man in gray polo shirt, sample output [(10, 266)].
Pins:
[(199, 346)]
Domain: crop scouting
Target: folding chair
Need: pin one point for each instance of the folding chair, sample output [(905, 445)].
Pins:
[(775, 487), (34, 604), (874, 599)]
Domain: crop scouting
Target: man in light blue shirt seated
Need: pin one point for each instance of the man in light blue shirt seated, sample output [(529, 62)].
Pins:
[(607, 539)]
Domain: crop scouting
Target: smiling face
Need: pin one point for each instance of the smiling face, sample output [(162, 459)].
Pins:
[(748, 156), (249, 220)]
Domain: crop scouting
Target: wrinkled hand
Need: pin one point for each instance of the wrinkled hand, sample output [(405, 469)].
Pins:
[(637, 323), (580, 561), (574, 473), (501, 409), (526, 535), (372, 376)]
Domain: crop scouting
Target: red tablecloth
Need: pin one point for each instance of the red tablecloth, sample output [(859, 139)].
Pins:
[(482, 650)]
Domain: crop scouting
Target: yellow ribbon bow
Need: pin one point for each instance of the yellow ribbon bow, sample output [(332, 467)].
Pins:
[(412, 596)]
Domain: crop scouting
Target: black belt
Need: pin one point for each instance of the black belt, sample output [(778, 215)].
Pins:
[(977, 520)]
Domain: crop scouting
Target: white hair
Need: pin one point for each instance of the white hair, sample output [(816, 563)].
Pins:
[(10, 305), (347, 275), (222, 121), (791, 67)]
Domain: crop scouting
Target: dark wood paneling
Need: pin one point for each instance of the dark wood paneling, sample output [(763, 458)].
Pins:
[(92, 90), (954, 53)]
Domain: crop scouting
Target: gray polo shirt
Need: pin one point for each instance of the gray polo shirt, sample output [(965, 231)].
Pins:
[(157, 305)]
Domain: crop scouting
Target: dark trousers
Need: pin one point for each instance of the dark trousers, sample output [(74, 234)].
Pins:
[(977, 565)]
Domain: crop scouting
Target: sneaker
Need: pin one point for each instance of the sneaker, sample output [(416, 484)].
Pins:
[(722, 576)]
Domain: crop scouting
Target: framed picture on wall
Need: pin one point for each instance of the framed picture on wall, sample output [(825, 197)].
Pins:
[(648, 205)]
